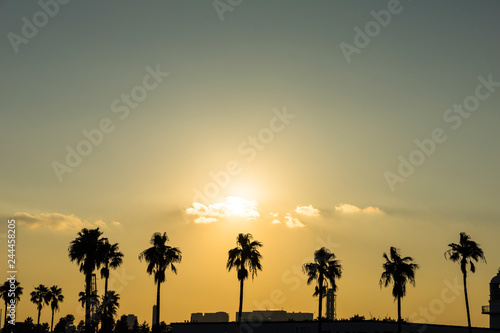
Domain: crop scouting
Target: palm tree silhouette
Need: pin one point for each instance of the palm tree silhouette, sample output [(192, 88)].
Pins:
[(6, 295), (94, 298), (465, 252), (325, 270), (55, 296), (112, 258), (40, 297), (398, 271), (111, 306), (159, 257), (86, 250), (244, 257)]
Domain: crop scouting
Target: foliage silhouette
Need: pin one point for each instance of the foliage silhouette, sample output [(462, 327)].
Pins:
[(4, 294), (398, 271), (244, 258), (40, 297), (86, 250), (55, 296), (325, 270), (159, 257), (465, 252)]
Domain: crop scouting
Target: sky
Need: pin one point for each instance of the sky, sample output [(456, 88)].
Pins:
[(352, 125)]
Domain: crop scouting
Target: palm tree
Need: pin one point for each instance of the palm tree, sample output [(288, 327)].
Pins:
[(94, 298), (108, 310), (111, 306), (159, 257), (40, 297), (55, 296), (325, 270), (111, 258), (243, 258), (86, 251), (465, 252), (398, 271), (6, 295)]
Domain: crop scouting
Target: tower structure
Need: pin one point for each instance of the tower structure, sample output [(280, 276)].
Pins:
[(493, 309), (331, 313)]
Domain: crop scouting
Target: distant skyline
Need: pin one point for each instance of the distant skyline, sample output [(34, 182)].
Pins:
[(355, 126)]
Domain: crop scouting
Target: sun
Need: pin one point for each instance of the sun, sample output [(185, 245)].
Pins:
[(238, 206)]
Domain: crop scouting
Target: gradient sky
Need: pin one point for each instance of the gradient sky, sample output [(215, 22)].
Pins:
[(228, 79)]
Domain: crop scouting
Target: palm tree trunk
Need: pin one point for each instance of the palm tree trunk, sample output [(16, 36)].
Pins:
[(88, 282), (5, 316), (158, 305), (467, 303), (399, 314), (320, 310), (39, 312), (240, 309), (52, 321)]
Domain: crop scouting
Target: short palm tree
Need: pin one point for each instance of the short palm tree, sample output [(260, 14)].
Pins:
[(94, 298), (159, 257), (40, 297), (55, 296), (398, 271), (111, 307), (86, 250), (108, 310), (465, 252), (6, 294), (244, 258), (325, 270)]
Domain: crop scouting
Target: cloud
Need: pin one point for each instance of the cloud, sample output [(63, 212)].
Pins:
[(350, 209), (232, 207), (276, 222), (307, 210), (56, 221), (292, 222), (274, 214), (205, 220)]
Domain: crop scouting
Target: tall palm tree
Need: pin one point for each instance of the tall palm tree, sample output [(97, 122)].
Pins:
[(398, 271), (243, 258), (325, 270), (465, 252), (55, 296), (86, 250), (111, 258), (159, 257), (6, 295), (40, 297)]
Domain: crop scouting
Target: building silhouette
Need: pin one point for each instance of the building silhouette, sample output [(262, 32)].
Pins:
[(217, 317), (493, 309), (131, 320), (274, 315)]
